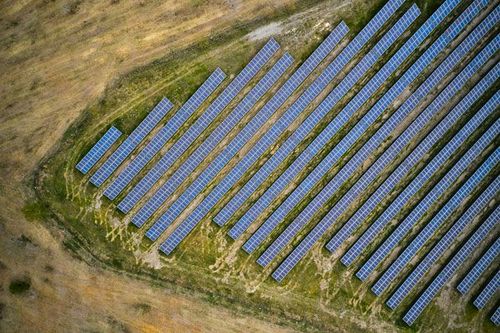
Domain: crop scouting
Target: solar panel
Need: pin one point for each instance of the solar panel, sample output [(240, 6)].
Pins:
[(263, 115), (373, 230), (98, 150), (436, 222), (304, 129), (318, 85), (484, 262), (302, 102), (416, 214), (495, 318), (185, 141), (287, 148), (418, 154), (487, 293), (165, 133), (368, 148), (360, 128), (402, 141), (132, 141), (443, 244), (451, 267), (187, 167)]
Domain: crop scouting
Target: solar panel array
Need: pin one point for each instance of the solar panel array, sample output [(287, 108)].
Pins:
[(484, 262), (98, 150), (251, 128), (416, 155), (451, 267), (385, 161), (405, 226), (183, 143), (305, 128), (372, 86), (422, 207), (299, 105), (386, 217), (280, 96), (488, 291), (495, 318), (402, 141), (132, 141), (225, 127), (435, 222), (312, 120), (165, 133), (368, 148), (443, 244)]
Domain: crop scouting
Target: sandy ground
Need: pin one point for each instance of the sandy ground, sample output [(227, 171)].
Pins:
[(55, 58)]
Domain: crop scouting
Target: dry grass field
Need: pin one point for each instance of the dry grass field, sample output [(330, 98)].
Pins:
[(56, 58), (69, 69)]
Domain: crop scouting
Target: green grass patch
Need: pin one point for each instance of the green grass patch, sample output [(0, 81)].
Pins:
[(20, 286)]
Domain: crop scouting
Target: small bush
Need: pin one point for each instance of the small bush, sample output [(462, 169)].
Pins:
[(35, 211), (19, 286), (142, 308)]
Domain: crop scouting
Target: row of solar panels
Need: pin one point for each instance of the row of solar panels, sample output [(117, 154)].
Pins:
[(347, 170)]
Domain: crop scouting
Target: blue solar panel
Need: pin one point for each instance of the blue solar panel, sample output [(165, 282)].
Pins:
[(300, 104), (484, 262), (368, 148), (185, 141), (132, 141), (443, 214), (366, 238), (294, 199), (416, 214), (487, 293), (251, 128), (443, 244), (402, 141), (304, 129), (451, 267), (417, 154), (280, 97), (318, 85), (169, 187), (98, 150), (165, 133), (495, 318)]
